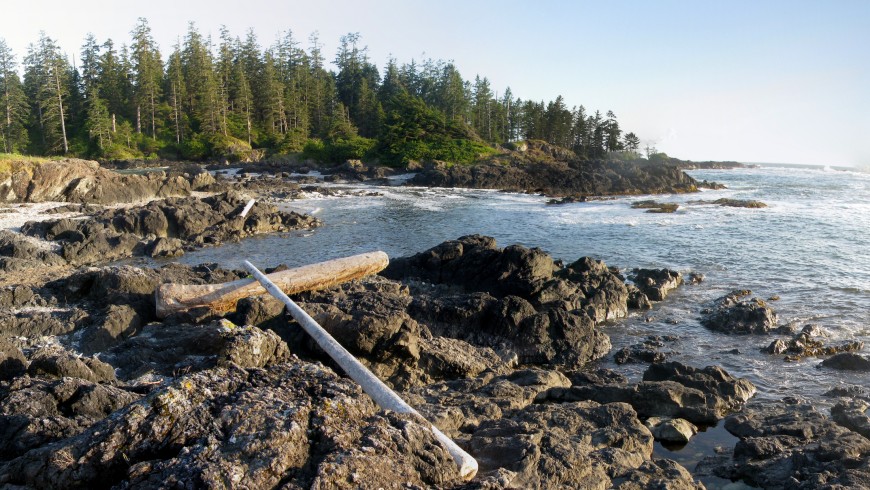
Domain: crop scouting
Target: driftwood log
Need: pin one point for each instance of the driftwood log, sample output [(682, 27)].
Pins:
[(385, 397), (171, 298)]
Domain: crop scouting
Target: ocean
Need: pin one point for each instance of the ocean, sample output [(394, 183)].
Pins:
[(810, 248)]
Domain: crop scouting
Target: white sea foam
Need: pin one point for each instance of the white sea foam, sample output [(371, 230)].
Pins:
[(15, 215)]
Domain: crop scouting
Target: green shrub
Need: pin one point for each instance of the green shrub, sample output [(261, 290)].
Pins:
[(314, 149), (194, 149)]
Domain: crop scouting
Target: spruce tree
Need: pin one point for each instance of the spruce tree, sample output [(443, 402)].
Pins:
[(45, 82), (99, 123), (147, 75), (13, 104)]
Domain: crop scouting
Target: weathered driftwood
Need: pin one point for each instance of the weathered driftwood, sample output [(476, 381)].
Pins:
[(374, 387), (171, 298)]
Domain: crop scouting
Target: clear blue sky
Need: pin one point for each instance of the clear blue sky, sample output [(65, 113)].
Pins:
[(756, 81)]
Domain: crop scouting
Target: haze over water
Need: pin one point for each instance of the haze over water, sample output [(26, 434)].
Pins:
[(809, 248)]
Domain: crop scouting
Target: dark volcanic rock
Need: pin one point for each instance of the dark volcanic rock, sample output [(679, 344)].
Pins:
[(734, 315), (559, 173), (852, 414), (168, 350), (809, 343), (657, 283), (786, 446), (12, 360), (59, 363), (580, 445), (847, 362), (38, 411), (514, 298), (164, 228), (18, 253), (230, 405), (291, 422), (701, 396), (646, 351), (656, 207)]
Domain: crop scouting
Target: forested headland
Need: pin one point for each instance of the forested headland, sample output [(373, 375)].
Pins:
[(233, 98)]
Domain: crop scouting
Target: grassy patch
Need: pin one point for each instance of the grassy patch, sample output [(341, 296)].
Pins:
[(13, 162)]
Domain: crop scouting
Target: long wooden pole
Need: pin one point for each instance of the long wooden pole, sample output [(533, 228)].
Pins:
[(171, 298), (374, 387)]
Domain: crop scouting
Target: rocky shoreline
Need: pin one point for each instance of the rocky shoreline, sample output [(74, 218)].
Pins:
[(495, 346)]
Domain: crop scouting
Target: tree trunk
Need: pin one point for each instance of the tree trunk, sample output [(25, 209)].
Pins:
[(138, 119), (175, 109), (6, 145), (153, 123), (60, 106)]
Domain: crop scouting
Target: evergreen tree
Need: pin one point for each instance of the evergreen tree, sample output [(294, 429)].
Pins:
[(557, 123), (13, 104), (202, 99), (147, 75), (45, 82), (599, 135), (90, 64), (481, 113), (176, 89), (631, 142), (322, 100), (612, 133), (99, 123), (114, 81), (454, 98), (391, 85), (276, 98), (581, 136)]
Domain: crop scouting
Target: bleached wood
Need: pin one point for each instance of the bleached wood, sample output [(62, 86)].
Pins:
[(374, 387), (171, 298)]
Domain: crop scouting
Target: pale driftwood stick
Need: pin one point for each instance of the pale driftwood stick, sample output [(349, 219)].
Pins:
[(247, 208), (374, 387), (171, 298)]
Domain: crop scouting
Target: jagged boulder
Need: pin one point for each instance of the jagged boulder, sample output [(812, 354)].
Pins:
[(656, 284), (847, 361), (733, 314)]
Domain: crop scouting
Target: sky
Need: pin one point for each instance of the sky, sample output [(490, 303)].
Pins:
[(775, 81)]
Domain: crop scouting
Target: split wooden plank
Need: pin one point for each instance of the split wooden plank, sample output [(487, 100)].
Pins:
[(171, 298)]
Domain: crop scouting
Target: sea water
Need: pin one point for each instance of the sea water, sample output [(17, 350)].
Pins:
[(810, 248)]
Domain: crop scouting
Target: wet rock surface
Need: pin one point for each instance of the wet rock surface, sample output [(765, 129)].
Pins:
[(656, 284), (810, 342), (648, 351), (734, 313), (847, 361), (793, 445)]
